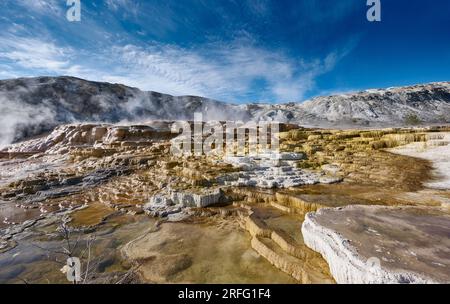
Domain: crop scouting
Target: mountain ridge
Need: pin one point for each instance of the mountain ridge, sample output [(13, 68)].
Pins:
[(31, 106)]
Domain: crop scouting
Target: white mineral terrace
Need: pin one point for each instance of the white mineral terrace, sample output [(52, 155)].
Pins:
[(370, 244), (173, 202), (273, 171), (436, 150)]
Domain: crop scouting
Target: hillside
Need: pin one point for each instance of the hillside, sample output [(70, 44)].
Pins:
[(31, 106)]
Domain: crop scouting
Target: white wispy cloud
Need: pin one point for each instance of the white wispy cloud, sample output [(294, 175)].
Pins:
[(225, 72), (129, 6), (259, 7), (35, 57), (47, 7), (118, 4), (33, 53)]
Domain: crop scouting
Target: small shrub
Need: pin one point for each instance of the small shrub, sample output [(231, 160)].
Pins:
[(412, 120)]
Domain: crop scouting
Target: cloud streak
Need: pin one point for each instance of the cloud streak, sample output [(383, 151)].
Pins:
[(33, 53), (225, 72), (115, 43)]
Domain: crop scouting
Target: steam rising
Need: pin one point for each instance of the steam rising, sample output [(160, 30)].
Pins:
[(32, 106)]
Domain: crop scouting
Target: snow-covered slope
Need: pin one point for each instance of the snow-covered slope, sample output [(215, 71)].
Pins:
[(429, 103), (31, 106)]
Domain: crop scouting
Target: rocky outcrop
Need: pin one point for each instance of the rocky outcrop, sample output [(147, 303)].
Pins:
[(98, 138)]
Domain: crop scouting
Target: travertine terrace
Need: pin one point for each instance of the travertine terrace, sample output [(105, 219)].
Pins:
[(380, 245), (160, 216)]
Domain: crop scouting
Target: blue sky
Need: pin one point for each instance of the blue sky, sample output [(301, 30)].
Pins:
[(237, 51)]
